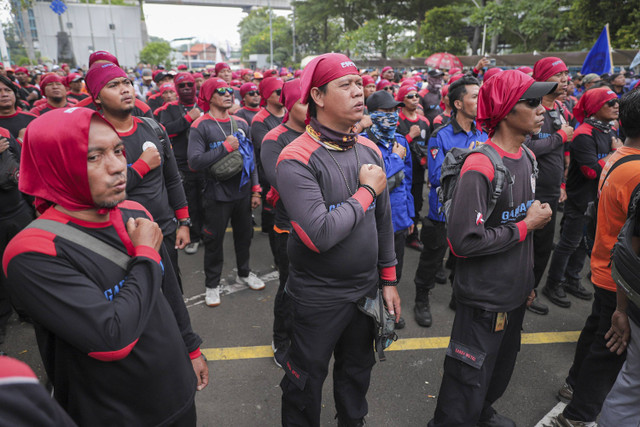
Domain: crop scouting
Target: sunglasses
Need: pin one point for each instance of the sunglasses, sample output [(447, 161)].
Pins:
[(413, 95), (223, 90), (183, 85), (253, 93), (389, 88), (532, 102), (278, 91), (612, 103)]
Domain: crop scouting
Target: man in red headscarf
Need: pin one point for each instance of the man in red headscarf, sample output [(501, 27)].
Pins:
[(75, 83), (153, 176), (276, 139), (11, 118), (594, 142), (176, 117), (387, 73), (213, 137), (485, 338), (250, 102), (334, 189), (27, 92), (113, 331), (550, 146), (55, 92), (223, 71)]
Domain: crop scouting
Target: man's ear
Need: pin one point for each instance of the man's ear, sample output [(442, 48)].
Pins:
[(317, 96)]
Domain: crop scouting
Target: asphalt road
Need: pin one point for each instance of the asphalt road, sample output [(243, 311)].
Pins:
[(246, 392)]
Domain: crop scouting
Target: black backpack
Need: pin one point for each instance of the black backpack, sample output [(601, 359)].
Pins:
[(452, 165)]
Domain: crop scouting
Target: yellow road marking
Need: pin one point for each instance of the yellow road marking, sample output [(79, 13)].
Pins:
[(264, 351)]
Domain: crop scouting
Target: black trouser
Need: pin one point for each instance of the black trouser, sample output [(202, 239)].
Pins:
[(188, 419), (543, 243), (416, 192), (316, 333), (478, 366), (399, 241), (434, 239), (170, 243), (216, 218), (193, 183), (594, 368), (569, 255), (9, 227), (282, 305)]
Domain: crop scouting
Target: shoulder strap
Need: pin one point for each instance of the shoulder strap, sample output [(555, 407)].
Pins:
[(83, 239), (501, 173), (620, 162), (157, 129), (234, 125), (532, 159)]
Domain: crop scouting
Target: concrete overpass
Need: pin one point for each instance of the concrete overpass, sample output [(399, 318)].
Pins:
[(244, 4)]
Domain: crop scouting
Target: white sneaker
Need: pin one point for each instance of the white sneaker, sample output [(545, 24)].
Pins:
[(253, 281), (212, 297), (191, 248)]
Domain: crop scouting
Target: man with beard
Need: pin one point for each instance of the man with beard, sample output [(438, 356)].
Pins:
[(153, 179), (27, 92), (292, 126), (74, 81), (431, 95), (53, 88), (10, 118), (250, 102), (114, 336), (177, 117)]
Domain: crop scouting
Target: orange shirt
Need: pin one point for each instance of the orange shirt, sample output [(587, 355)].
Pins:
[(612, 213)]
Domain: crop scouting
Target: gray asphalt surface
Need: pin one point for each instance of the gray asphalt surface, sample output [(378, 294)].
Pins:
[(403, 388)]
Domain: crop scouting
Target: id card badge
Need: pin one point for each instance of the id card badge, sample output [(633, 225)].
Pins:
[(500, 322)]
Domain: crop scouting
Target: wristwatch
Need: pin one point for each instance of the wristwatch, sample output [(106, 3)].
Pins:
[(185, 222)]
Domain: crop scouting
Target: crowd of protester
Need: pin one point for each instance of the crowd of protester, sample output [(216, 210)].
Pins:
[(337, 159)]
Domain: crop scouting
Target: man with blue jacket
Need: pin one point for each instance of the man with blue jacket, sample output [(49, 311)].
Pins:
[(459, 132), (397, 163)]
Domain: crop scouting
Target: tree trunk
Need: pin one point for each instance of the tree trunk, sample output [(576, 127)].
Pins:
[(476, 40), (494, 44), (26, 38)]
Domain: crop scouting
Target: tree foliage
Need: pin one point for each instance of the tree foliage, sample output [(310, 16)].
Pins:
[(435, 37), (156, 53), (623, 16)]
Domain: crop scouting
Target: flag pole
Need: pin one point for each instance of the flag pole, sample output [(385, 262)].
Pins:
[(610, 54)]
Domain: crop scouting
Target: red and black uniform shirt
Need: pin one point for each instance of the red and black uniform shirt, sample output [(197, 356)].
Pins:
[(46, 107), (247, 113), (115, 344), (16, 121), (261, 124), (175, 118), (25, 91), (77, 96), (418, 145)]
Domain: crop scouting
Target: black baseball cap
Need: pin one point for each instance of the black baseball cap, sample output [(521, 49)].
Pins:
[(382, 99), (539, 89)]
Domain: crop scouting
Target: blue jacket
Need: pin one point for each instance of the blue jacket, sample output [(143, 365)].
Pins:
[(441, 141), (400, 197)]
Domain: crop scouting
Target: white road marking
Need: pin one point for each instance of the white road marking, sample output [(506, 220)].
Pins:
[(227, 289), (549, 419)]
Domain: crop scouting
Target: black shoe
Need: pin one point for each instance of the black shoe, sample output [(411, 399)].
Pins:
[(422, 314), (347, 422), (415, 244), (497, 420), (556, 295), (538, 308), (441, 276), (575, 288), (453, 304)]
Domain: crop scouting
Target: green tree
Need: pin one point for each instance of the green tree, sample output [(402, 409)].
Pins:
[(156, 53), (436, 37), (588, 17), (386, 37)]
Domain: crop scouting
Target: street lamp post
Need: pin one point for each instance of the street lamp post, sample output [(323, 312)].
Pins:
[(188, 39)]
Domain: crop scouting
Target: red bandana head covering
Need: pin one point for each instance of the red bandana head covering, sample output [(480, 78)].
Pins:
[(323, 69), (167, 86), (455, 78), (50, 78), (404, 91), (454, 71), (547, 67), (289, 96), (385, 69), (445, 92), (591, 102), (367, 80), (102, 55), (22, 70), (221, 66), (297, 73), (245, 71), (247, 87), (184, 78), (53, 166), (182, 67), (525, 69), (489, 73), (267, 86), (100, 74), (382, 84), (206, 91), (197, 76), (498, 95)]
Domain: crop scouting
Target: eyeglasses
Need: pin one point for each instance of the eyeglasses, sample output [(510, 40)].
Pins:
[(612, 103), (183, 85), (253, 93), (278, 91), (389, 88), (223, 90), (413, 95), (532, 102)]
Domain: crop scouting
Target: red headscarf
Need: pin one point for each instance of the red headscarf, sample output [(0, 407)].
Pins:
[(445, 92), (184, 78), (455, 78), (167, 86), (22, 70), (289, 96), (453, 71), (367, 80), (488, 74), (102, 55), (297, 73), (382, 84), (53, 166), (206, 91), (547, 67), (100, 74), (247, 87), (197, 76), (323, 69), (267, 86), (385, 69), (498, 95), (221, 66), (50, 78), (591, 102), (525, 69), (404, 91), (182, 67)]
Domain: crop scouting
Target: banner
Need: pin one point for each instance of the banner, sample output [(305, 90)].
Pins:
[(599, 58)]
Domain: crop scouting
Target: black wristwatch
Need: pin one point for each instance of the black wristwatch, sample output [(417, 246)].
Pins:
[(185, 222)]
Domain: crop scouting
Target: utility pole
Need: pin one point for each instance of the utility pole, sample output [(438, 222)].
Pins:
[(270, 38)]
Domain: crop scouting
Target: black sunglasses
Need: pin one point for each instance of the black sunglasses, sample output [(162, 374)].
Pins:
[(278, 91), (253, 93), (183, 85), (532, 102), (612, 103), (413, 95), (389, 88), (223, 90)]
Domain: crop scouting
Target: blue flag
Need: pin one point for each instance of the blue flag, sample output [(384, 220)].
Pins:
[(599, 58)]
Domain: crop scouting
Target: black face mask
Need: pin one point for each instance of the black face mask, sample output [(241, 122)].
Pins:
[(187, 96)]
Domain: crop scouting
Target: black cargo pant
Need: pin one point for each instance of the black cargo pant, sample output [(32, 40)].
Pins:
[(216, 218), (434, 239), (317, 333), (282, 306), (543, 243), (193, 183), (478, 366)]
